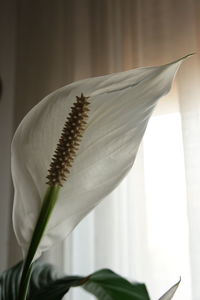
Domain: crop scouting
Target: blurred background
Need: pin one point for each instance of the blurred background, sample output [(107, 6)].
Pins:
[(149, 228)]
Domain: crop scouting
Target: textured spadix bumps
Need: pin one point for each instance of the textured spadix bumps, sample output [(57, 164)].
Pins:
[(120, 107), (69, 142)]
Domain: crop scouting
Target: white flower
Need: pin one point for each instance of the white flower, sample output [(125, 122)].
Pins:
[(121, 105)]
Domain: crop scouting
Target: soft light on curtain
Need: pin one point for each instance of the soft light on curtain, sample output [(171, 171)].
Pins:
[(141, 230), (149, 228)]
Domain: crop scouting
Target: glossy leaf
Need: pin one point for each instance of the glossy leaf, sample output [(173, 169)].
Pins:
[(107, 285), (47, 284)]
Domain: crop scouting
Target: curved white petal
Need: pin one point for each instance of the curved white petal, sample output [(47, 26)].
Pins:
[(121, 105)]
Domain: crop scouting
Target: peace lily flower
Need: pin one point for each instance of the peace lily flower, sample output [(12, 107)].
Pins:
[(118, 109)]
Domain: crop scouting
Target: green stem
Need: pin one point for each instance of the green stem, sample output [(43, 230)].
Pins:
[(47, 208)]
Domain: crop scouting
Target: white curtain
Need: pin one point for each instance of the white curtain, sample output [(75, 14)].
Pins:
[(141, 230), (149, 228)]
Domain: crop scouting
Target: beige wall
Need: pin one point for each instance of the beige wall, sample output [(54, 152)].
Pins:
[(7, 73)]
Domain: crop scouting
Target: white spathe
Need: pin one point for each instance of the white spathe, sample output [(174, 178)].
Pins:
[(121, 105)]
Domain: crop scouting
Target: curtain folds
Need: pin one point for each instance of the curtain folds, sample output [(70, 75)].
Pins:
[(61, 41)]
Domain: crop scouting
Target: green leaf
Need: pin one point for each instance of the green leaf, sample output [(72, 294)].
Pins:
[(107, 285), (47, 284), (170, 293), (9, 283)]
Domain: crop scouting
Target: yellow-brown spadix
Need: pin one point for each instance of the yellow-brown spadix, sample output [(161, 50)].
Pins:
[(102, 152)]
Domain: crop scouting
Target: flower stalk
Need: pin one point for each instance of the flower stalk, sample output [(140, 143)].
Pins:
[(63, 158), (47, 208)]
